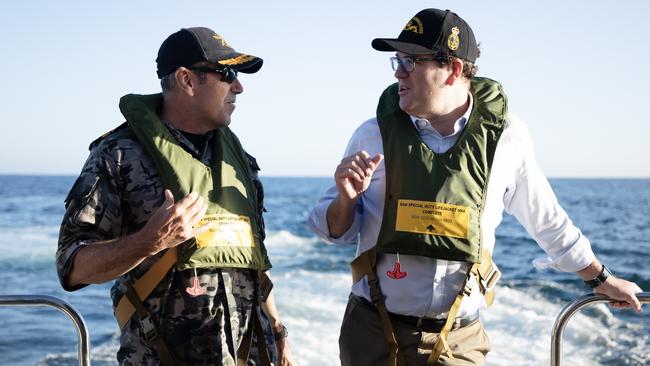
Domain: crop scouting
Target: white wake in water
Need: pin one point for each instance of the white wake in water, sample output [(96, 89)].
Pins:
[(312, 303), (519, 324)]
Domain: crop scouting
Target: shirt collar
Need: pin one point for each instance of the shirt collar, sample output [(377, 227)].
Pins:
[(421, 123)]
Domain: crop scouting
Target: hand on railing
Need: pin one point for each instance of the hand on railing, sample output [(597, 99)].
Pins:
[(574, 307), (622, 292)]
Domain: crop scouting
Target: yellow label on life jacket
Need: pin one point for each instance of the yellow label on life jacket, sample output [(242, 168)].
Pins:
[(227, 231), (433, 218)]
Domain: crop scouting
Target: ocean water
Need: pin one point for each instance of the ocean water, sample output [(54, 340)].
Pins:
[(312, 280)]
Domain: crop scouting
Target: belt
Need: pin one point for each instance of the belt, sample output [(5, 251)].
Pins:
[(429, 325)]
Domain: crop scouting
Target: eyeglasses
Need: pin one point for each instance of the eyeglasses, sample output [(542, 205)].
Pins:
[(227, 74), (408, 63)]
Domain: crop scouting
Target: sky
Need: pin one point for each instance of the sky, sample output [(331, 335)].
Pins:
[(575, 71)]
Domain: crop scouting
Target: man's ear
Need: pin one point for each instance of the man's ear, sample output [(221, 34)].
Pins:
[(184, 80), (456, 68)]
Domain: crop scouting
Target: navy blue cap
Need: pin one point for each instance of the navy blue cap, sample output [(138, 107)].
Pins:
[(431, 31), (191, 45)]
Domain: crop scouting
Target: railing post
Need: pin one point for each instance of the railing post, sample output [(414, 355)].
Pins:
[(569, 311), (62, 306)]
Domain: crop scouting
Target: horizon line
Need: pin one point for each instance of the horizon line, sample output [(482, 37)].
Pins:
[(13, 174)]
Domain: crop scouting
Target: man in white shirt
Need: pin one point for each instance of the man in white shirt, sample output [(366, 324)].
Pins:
[(455, 159)]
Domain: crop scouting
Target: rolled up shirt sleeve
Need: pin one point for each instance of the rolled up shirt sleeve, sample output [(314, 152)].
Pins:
[(318, 221), (93, 213), (365, 138), (535, 206)]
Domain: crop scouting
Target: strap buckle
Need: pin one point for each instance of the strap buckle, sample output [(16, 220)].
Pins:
[(490, 280), (148, 328), (375, 293)]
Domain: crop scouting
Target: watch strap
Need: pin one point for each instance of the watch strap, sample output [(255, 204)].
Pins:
[(283, 333), (604, 274)]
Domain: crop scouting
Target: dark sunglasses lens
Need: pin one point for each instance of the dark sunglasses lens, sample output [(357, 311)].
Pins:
[(229, 75)]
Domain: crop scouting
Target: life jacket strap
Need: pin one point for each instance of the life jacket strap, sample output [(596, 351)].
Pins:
[(486, 274), (150, 330), (364, 265), (144, 285), (266, 285), (243, 352), (255, 324), (142, 288)]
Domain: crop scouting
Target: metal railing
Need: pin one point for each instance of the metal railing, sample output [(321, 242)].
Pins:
[(62, 306), (568, 312)]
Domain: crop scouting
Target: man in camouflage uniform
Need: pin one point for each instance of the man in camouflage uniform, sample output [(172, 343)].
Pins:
[(120, 219)]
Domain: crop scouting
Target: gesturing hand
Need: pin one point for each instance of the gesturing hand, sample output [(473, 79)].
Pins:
[(173, 222), (353, 174)]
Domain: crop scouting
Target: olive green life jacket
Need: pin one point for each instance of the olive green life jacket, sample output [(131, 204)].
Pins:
[(226, 184), (434, 201)]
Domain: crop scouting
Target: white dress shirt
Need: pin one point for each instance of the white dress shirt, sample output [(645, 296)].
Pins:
[(516, 185)]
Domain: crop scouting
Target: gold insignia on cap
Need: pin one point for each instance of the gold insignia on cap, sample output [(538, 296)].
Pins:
[(220, 39), (237, 60), (453, 41), (414, 25)]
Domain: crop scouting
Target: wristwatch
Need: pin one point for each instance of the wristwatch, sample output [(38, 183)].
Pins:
[(600, 279), (283, 333)]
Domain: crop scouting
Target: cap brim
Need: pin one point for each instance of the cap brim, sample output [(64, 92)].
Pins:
[(242, 62), (391, 44)]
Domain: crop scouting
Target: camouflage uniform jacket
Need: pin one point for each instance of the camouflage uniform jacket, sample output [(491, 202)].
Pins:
[(117, 192)]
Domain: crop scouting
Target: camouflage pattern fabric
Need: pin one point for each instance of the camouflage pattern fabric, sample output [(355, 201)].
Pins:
[(253, 357), (117, 192)]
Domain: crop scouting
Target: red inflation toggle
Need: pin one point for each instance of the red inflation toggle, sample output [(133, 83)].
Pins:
[(396, 273), (196, 288)]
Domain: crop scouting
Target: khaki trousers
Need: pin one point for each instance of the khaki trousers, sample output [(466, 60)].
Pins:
[(362, 341)]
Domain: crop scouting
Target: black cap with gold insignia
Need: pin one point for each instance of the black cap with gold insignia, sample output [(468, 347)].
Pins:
[(191, 45), (433, 30)]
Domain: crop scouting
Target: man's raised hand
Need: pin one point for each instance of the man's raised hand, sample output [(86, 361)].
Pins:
[(354, 173)]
